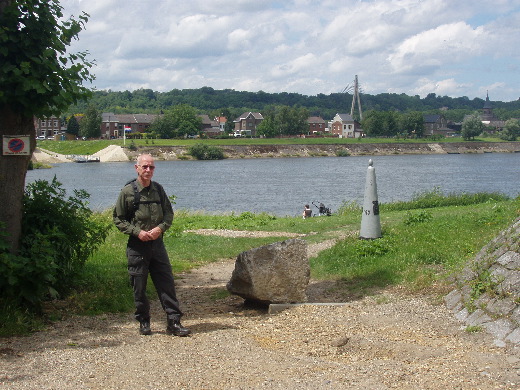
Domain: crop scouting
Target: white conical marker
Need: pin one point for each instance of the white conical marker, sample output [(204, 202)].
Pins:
[(370, 221)]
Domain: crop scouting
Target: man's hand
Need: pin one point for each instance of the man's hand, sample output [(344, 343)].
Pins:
[(145, 236), (150, 235), (155, 233)]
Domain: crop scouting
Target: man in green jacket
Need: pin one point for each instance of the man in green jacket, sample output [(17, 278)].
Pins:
[(144, 212)]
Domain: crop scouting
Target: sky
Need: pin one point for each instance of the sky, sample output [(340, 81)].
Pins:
[(448, 47)]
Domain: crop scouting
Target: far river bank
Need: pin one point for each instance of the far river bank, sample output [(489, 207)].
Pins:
[(333, 150), (114, 153)]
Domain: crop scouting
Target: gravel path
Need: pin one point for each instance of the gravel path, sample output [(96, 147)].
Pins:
[(390, 340)]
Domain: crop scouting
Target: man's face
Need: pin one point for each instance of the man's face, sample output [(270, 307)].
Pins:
[(145, 168)]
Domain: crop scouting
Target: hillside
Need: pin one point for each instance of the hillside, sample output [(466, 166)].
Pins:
[(232, 103)]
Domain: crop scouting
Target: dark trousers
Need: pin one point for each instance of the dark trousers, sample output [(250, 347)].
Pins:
[(145, 258)]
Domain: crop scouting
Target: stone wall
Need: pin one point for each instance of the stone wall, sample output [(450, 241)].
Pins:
[(487, 293), (331, 150)]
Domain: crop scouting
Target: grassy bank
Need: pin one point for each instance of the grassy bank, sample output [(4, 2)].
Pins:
[(424, 241)]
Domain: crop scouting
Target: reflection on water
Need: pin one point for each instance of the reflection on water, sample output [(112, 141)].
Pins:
[(281, 186)]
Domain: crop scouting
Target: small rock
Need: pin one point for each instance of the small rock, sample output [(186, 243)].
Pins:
[(340, 342)]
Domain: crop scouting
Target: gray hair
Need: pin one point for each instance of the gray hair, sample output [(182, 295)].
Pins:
[(140, 157)]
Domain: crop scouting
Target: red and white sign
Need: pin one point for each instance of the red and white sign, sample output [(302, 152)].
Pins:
[(16, 145)]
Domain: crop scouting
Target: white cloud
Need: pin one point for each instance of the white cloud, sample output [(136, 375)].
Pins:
[(239, 39), (447, 87), (404, 46), (433, 48), (298, 65)]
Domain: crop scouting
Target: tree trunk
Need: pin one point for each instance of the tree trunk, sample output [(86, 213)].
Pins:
[(3, 4), (13, 169)]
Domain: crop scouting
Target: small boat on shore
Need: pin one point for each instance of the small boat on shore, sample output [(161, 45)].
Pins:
[(86, 159)]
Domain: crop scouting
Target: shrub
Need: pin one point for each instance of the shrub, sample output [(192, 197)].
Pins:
[(206, 152), (58, 236), (132, 146), (418, 217), (508, 135), (342, 153)]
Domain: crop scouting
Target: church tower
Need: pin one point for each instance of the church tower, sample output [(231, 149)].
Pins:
[(487, 111)]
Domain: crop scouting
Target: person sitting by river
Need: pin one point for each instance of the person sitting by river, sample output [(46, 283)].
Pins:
[(307, 212)]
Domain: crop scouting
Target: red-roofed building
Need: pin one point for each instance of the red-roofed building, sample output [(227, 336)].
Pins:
[(317, 125)]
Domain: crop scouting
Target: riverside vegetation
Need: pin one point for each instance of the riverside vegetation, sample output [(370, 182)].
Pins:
[(424, 242)]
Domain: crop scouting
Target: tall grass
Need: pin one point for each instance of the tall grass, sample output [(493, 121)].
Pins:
[(429, 199), (436, 198)]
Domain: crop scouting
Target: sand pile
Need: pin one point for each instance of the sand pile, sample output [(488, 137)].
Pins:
[(112, 153)]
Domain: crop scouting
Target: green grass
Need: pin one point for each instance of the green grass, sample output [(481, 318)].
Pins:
[(474, 329), (76, 147), (418, 250), (91, 147), (192, 250), (436, 198), (185, 220), (422, 245)]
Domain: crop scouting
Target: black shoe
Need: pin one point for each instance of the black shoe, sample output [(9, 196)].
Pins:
[(175, 328), (144, 328)]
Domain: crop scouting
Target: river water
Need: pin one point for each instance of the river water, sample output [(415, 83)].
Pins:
[(281, 186)]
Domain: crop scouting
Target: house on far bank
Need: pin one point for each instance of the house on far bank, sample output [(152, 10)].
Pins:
[(135, 123), (210, 127), (344, 126), (247, 123), (115, 125), (51, 127), (221, 121), (437, 125), (110, 125), (317, 125)]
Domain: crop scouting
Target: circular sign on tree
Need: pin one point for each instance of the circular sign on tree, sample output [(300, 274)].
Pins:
[(16, 145)]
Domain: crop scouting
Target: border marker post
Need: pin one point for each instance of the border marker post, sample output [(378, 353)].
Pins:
[(370, 220)]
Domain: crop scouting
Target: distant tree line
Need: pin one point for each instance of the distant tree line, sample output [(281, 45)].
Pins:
[(286, 114), (283, 121), (411, 125), (393, 124), (216, 102)]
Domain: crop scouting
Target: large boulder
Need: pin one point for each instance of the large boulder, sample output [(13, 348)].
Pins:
[(275, 273)]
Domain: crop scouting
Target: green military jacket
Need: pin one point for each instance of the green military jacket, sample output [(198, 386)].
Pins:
[(154, 209)]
